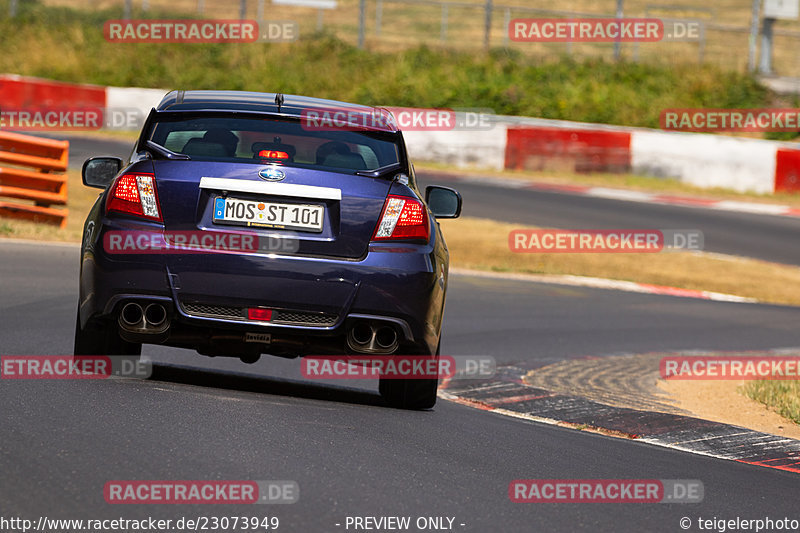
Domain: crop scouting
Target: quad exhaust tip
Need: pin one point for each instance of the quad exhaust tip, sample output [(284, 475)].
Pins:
[(155, 315), (361, 333), (368, 337), (150, 319), (132, 315), (385, 337)]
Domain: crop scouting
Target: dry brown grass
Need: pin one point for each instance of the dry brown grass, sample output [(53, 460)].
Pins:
[(482, 244)]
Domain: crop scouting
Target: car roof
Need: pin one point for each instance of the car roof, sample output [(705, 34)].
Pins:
[(292, 105)]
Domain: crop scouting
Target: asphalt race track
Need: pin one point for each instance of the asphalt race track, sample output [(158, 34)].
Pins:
[(350, 455), (203, 418)]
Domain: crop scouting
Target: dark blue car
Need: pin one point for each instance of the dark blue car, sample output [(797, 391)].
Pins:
[(243, 226)]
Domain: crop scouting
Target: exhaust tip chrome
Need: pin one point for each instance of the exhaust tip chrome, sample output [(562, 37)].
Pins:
[(132, 315), (368, 337), (155, 315), (142, 321), (362, 333), (386, 338)]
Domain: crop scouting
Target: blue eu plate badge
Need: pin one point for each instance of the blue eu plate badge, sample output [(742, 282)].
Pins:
[(219, 208)]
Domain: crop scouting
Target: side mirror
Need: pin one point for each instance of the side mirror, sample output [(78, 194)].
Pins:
[(100, 171), (443, 201)]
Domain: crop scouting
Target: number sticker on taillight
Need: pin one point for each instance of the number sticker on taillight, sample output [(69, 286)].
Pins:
[(135, 194), (402, 219)]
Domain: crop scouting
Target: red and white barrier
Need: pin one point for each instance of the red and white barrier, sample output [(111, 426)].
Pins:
[(136, 98), (706, 160), (22, 92), (703, 160), (581, 150), (518, 143)]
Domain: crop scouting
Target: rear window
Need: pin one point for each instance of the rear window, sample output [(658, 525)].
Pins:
[(266, 140)]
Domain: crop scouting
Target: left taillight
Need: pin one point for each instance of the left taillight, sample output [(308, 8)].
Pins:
[(402, 218), (134, 194)]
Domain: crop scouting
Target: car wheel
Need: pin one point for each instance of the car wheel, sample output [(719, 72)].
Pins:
[(95, 339), (410, 393)]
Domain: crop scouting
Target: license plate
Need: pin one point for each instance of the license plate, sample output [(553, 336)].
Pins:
[(240, 212)]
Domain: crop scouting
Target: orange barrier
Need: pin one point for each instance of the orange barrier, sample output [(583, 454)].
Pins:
[(41, 185)]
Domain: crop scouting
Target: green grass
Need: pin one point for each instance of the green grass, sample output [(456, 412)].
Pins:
[(68, 44), (407, 25), (782, 397)]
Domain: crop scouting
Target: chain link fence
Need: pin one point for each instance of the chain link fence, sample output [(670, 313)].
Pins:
[(473, 25)]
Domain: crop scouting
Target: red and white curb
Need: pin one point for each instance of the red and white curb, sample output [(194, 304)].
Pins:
[(603, 283), (507, 394)]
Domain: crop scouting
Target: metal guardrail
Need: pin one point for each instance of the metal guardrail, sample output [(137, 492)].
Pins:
[(45, 185)]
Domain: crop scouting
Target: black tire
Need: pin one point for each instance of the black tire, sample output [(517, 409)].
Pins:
[(101, 339), (410, 393)]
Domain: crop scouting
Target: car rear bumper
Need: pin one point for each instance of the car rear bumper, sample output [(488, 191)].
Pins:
[(208, 294)]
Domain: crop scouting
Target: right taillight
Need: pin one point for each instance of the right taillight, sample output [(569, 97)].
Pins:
[(402, 218), (134, 194)]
